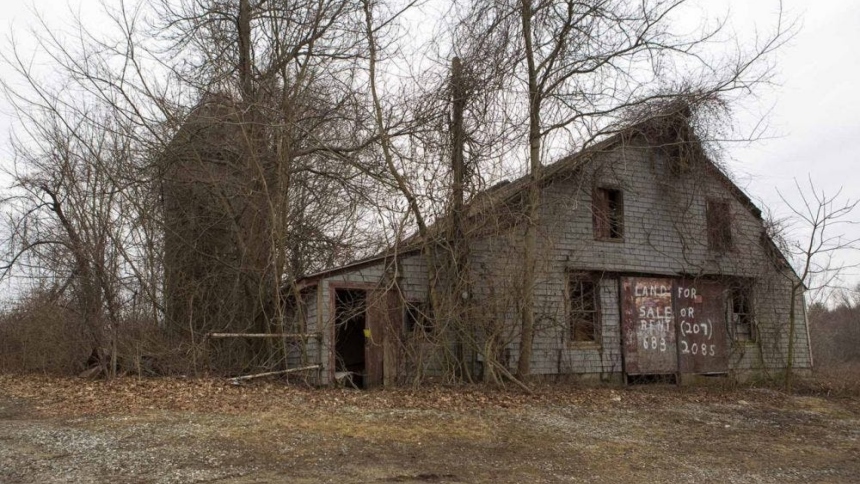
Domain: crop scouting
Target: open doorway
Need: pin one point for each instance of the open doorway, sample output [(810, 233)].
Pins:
[(350, 322)]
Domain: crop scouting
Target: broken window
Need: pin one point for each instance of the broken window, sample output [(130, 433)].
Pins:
[(416, 317), (743, 320), (608, 210), (719, 220), (582, 295)]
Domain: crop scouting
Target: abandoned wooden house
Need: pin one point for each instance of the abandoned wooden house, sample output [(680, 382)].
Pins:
[(651, 262)]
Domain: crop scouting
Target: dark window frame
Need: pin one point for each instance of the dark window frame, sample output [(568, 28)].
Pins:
[(741, 307), (607, 208), (416, 317), (718, 217), (582, 295)]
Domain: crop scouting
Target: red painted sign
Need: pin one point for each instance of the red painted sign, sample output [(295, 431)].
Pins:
[(670, 325), (702, 338), (648, 326)]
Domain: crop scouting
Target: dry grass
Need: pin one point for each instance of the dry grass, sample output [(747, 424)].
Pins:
[(175, 430), (837, 380)]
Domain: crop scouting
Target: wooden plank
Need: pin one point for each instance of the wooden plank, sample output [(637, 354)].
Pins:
[(702, 342), (374, 332), (648, 326), (264, 335), (272, 373), (393, 325)]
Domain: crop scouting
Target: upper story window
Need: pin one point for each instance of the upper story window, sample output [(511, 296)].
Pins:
[(582, 297), (608, 210), (719, 220)]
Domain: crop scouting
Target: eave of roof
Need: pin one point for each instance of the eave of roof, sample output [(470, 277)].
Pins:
[(313, 278)]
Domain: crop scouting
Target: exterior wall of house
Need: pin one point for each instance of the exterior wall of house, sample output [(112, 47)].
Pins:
[(375, 278), (664, 234)]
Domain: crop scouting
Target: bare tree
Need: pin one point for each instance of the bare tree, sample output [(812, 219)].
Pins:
[(246, 108), (818, 216)]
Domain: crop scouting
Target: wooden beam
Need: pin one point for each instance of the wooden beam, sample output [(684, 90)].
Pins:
[(264, 335), (272, 373)]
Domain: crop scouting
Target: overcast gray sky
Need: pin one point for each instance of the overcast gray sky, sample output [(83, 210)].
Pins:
[(814, 125)]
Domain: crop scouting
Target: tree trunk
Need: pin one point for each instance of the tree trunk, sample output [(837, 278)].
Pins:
[(533, 195), (243, 26)]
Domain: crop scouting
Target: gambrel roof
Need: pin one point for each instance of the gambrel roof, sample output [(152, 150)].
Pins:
[(668, 132)]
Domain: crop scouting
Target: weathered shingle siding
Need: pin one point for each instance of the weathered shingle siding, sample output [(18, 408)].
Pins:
[(302, 319), (772, 317), (602, 356), (664, 234)]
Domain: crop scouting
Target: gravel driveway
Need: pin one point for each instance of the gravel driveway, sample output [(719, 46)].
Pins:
[(165, 431)]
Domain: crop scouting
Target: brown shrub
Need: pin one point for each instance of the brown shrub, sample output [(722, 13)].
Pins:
[(835, 334), (146, 348), (833, 380), (41, 335)]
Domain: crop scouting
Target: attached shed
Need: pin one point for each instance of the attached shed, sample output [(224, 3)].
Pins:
[(651, 263)]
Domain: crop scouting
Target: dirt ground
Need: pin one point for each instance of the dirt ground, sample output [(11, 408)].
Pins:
[(207, 430)]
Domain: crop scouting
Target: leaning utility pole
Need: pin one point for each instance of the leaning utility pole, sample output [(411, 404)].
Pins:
[(459, 289)]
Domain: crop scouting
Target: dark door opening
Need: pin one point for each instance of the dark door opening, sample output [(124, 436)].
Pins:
[(350, 323)]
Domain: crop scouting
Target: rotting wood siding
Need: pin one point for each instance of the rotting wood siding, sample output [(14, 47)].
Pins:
[(649, 326)]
